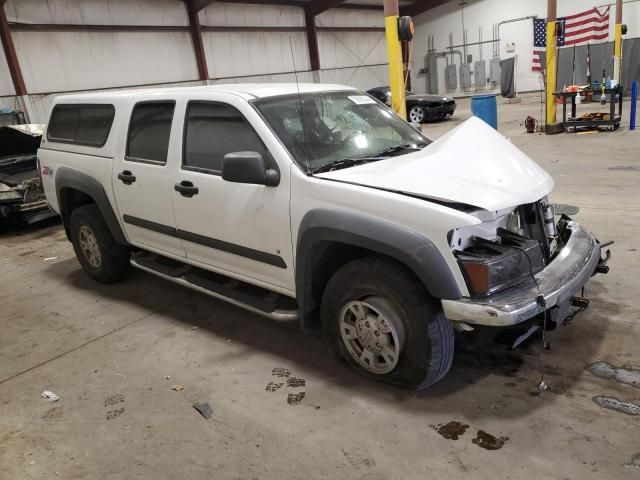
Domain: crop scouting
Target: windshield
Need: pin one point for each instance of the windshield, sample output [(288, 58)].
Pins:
[(336, 128)]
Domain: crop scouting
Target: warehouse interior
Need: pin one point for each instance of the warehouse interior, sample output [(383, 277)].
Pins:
[(146, 379)]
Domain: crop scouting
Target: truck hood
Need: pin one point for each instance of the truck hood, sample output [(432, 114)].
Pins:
[(472, 164)]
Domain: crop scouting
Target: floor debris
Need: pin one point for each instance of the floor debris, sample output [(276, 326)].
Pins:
[(452, 430), (621, 406), (177, 388), (204, 409), (634, 462), (52, 397), (629, 376), (295, 398), (114, 413), (113, 400), (48, 259), (565, 209), (272, 387), (489, 442), (296, 382), (280, 372)]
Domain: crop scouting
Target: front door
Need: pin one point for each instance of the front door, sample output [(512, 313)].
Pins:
[(142, 183), (238, 229)]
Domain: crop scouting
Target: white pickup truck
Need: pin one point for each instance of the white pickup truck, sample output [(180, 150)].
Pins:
[(317, 203)]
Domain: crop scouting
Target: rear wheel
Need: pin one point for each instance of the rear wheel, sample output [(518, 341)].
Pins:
[(417, 114), (101, 257), (380, 319)]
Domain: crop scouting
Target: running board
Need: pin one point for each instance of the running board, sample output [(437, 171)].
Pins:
[(249, 297)]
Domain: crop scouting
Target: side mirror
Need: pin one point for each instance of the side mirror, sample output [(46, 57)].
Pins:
[(248, 167)]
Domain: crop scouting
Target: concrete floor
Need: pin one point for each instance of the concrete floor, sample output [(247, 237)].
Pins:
[(114, 352)]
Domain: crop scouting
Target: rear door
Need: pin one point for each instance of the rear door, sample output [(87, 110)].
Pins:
[(238, 229), (142, 183)]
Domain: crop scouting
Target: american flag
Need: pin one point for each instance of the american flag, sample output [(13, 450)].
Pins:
[(590, 26)]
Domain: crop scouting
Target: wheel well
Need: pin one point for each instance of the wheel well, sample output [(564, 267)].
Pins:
[(328, 257), (70, 199)]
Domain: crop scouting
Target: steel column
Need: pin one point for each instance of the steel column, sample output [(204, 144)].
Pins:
[(394, 54), (552, 59), (312, 39), (10, 54), (196, 39), (617, 45)]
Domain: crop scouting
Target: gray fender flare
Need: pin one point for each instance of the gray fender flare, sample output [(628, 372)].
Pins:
[(69, 178), (418, 253)]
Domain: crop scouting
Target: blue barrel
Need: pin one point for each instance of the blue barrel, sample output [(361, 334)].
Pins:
[(634, 98), (485, 107)]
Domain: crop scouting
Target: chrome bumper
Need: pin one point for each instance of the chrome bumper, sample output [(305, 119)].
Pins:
[(567, 273)]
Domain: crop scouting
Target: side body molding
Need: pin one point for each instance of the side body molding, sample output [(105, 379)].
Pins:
[(320, 228), (69, 178)]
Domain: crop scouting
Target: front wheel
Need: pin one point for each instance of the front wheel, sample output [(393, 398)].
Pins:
[(381, 320), (417, 114), (101, 257)]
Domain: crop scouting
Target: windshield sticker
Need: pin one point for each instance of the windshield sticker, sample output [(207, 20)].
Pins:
[(361, 99)]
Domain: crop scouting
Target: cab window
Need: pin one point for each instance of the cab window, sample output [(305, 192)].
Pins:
[(81, 124), (211, 131), (149, 131)]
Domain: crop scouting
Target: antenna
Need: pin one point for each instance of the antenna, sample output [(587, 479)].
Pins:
[(295, 72)]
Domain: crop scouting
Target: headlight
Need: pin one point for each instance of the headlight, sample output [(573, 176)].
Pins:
[(489, 266)]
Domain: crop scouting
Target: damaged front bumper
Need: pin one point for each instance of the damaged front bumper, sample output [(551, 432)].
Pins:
[(565, 275), (24, 202)]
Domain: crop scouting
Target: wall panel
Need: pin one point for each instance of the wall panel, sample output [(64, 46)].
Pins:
[(61, 61), (350, 18), (6, 84), (448, 18), (349, 49), (231, 14), (231, 54), (98, 12)]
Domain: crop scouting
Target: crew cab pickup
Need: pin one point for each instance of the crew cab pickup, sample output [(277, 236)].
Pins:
[(317, 203)]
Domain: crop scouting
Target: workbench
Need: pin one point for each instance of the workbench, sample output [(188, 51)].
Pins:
[(574, 122)]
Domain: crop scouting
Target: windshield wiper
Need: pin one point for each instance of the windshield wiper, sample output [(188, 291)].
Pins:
[(350, 162), (336, 164), (398, 148)]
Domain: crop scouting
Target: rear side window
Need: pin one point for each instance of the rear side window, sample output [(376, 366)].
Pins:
[(214, 129), (149, 130), (81, 124)]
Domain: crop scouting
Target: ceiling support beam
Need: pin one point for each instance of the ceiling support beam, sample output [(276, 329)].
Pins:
[(312, 39), (421, 6), (10, 54), (196, 38), (316, 7), (198, 5)]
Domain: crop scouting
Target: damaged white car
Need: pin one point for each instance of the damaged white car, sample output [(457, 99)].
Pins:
[(317, 203), (21, 195)]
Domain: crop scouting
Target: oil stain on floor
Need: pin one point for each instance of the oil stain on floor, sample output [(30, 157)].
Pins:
[(489, 442), (452, 430)]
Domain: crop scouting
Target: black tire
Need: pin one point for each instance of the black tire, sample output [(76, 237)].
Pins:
[(113, 258), (420, 113), (426, 354)]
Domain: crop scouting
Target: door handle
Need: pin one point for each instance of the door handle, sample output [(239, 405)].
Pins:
[(126, 177), (186, 188)]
